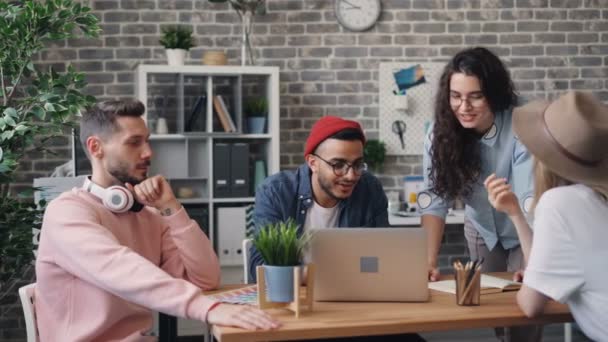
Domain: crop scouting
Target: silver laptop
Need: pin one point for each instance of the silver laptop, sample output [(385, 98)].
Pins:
[(370, 264)]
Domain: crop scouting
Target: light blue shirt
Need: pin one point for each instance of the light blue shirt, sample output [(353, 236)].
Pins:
[(502, 153)]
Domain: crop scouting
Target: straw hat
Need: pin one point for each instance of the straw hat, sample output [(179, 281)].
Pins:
[(569, 135)]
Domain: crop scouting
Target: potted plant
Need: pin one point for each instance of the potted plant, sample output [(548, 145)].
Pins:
[(374, 153), (35, 106), (177, 40), (282, 250), (256, 110)]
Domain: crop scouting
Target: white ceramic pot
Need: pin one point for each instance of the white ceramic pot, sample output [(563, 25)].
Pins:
[(161, 126), (176, 56)]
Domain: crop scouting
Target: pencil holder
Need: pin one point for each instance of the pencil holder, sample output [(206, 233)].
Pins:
[(468, 286)]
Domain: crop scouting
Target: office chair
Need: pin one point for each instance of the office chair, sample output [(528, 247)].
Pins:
[(26, 293)]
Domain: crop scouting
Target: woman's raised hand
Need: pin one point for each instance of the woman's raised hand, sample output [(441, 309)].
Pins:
[(500, 195)]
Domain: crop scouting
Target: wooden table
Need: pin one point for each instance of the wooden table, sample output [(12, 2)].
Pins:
[(337, 319)]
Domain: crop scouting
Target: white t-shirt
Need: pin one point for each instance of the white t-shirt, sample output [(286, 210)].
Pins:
[(569, 257), (320, 217)]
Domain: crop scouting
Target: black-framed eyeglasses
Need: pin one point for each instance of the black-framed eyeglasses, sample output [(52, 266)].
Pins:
[(341, 168), (475, 101)]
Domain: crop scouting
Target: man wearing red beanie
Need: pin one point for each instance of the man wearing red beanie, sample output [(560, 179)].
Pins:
[(332, 189)]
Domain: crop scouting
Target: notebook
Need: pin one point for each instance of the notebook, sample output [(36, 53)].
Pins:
[(370, 264), (489, 284)]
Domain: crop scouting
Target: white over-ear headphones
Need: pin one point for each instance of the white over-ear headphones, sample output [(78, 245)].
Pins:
[(116, 198)]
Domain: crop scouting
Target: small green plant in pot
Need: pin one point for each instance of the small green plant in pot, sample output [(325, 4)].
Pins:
[(177, 40), (256, 110), (282, 250), (374, 154)]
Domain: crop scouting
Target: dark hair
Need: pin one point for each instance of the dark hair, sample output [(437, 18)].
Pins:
[(455, 156), (348, 134), (100, 120)]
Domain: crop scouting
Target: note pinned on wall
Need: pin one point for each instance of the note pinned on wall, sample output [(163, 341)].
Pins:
[(408, 78), (407, 92)]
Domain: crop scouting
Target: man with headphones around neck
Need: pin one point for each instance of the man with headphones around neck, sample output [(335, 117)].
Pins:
[(122, 245)]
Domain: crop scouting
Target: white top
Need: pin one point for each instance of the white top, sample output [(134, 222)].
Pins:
[(320, 217), (569, 258)]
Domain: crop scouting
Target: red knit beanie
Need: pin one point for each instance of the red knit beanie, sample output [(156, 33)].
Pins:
[(325, 128)]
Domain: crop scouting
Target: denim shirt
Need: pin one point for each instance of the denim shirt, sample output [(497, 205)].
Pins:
[(502, 153), (288, 194)]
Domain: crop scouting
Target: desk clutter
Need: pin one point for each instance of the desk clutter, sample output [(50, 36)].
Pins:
[(302, 299), (249, 295), (246, 295), (489, 285), (468, 282)]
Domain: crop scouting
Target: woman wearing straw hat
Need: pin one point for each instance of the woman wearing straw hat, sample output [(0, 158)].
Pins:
[(567, 258)]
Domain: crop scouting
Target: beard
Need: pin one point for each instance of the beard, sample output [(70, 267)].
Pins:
[(121, 173), (327, 185)]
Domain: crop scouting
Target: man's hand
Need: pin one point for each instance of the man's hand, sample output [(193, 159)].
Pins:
[(434, 274), (242, 316), (156, 192), (500, 195)]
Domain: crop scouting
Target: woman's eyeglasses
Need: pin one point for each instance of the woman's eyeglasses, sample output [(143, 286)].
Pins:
[(475, 101), (341, 168)]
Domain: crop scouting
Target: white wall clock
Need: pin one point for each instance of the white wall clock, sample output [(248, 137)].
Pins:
[(357, 15)]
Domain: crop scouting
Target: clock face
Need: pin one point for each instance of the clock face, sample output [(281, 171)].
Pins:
[(357, 15)]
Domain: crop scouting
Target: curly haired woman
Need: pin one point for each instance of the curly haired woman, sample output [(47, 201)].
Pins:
[(471, 138)]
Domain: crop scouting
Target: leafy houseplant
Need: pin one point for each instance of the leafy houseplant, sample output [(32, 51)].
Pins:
[(177, 40), (279, 243), (256, 110), (282, 250), (35, 106), (374, 154), (256, 107)]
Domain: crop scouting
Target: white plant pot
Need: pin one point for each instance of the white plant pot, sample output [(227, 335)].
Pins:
[(176, 56)]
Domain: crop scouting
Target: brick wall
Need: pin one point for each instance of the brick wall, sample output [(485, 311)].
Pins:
[(549, 45)]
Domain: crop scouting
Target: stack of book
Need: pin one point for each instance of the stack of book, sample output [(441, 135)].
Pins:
[(196, 122)]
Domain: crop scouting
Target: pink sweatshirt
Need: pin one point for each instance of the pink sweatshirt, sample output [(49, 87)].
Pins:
[(99, 273)]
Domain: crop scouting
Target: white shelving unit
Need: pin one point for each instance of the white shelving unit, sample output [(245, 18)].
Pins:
[(186, 158), (185, 155)]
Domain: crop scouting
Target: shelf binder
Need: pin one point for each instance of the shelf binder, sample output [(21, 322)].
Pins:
[(221, 170), (231, 222), (239, 170), (259, 174)]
